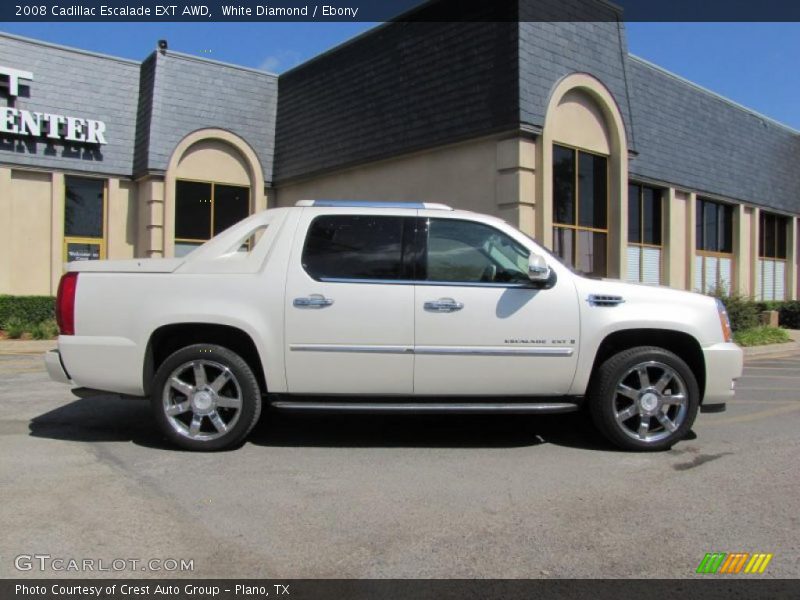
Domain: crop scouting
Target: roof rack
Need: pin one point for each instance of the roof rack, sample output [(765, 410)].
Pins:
[(371, 204)]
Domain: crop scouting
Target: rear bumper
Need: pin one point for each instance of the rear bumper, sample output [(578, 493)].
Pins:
[(55, 368), (724, 364)]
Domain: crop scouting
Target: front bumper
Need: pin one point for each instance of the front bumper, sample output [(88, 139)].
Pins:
[(724, 364), (55, 368)]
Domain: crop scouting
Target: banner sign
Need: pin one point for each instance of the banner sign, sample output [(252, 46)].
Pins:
[(407, 10)]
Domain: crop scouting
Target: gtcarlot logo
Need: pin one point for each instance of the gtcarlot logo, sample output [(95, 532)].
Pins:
[(715, 563), (46, 562)]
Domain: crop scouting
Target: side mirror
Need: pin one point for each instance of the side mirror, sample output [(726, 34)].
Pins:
[(538, 271)]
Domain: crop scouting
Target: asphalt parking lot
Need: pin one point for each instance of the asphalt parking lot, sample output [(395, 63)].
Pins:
[(384, 496)]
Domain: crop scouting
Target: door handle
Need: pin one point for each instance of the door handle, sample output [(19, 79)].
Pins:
[(443, 305), (312, 301)]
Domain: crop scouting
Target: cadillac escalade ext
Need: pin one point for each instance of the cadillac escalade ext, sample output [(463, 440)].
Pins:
[(391, 307)]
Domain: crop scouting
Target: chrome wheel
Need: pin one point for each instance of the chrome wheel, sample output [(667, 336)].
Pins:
[(202, 400), (651, 402)]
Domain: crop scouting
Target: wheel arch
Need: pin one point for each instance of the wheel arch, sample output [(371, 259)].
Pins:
[(168, 338), (680, 343)]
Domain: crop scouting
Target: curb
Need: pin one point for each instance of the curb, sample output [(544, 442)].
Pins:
[(26, 346), (772, 350)]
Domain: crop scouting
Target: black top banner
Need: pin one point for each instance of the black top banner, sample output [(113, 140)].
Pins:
[(402, 10)]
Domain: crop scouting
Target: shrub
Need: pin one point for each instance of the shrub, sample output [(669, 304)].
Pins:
[(46, 330), (742, 311), (27, 309), (789, 314), (759, 336), (15, 327)]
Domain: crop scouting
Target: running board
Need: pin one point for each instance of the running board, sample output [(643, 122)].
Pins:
[(428, 407)]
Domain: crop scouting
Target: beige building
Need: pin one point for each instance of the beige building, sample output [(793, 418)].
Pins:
[(620, 168)]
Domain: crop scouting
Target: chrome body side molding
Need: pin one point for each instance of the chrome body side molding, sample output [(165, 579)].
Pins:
[(436, 350)]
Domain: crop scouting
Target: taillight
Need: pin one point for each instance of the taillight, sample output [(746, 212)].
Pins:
[(65, 303)]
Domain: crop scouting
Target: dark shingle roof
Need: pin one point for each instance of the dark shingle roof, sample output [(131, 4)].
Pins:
[(696, 139)]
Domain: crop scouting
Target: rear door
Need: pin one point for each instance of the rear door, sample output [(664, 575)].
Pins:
[(350, 303), (481, 327)]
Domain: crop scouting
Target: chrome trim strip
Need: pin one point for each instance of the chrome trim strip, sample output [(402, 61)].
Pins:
[(492, 351), (326, 203), (427, 283), (435, 350), (349, 348), (428, 407)]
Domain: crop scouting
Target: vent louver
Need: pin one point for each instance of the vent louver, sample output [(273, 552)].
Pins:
[(605, 300)]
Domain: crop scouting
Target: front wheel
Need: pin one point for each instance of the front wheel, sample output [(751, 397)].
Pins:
[(205, 397), (644, 398)]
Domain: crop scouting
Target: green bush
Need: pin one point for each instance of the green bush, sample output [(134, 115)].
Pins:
[(759, 336), (27, 309), (742, 311), (46, 330), (15, 327), (789, 314)]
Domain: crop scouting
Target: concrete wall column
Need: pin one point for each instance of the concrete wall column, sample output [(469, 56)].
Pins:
[(755, 233), (150, 199), (57, 194), (674, 267), (741, 251), (691, 239), (5, 239), (791, 260), (121, 219), (515, 189)]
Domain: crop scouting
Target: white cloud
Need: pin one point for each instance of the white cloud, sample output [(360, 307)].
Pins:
[(280, 61)]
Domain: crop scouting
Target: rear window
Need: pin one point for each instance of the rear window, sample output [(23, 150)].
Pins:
[(355, 247)]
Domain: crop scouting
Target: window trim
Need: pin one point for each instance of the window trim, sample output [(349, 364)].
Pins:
[(213, 184), (702, 252), (72, 239), (422, 241), (415, 247), (408, 248), (642, 245), (761, 232), (576, 227)]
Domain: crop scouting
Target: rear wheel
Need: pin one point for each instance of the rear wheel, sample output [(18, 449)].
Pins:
[(644, 398), (206, 397)]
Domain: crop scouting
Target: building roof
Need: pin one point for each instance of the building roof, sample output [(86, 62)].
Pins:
[(693, 138)]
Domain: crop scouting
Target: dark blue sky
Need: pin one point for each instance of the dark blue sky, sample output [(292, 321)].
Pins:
[(755, 64)]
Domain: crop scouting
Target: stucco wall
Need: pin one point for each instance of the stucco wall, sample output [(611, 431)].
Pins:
[(465, 176)]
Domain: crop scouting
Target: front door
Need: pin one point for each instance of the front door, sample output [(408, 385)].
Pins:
[(481, 329), (350, 305)]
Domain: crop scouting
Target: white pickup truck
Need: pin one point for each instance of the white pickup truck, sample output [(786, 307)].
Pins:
[(391, 307)]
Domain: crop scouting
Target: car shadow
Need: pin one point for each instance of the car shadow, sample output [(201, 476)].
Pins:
[(100, 418), (425, 431), (112, 418)]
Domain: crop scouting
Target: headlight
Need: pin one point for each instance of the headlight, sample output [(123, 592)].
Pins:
[(724, 321)]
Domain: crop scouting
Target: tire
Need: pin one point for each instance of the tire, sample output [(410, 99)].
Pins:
[(217, 411), (644, 399)]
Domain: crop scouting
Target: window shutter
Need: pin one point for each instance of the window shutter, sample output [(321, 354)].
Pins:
[(724, 266), (698, 274), (633, 263), (651, 265), (780, 280)]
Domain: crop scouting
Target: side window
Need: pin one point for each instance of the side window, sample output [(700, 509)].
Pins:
[(468, 252), (355, 247)]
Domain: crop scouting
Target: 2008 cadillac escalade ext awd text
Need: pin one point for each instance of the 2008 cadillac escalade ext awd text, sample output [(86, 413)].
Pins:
[(360, 306)]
